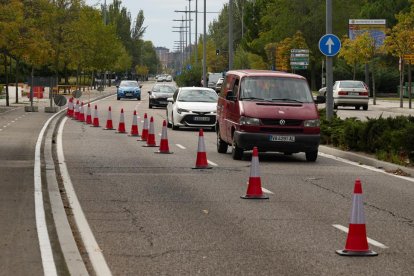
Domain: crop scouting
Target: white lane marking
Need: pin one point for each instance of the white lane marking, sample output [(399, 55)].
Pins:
[(159, 134), (4, 126), (95, 253), (212, 163), (14, 120), (364, 166), (180, 146), (48, 263), (267, 191), (1, 129), (370, 241)]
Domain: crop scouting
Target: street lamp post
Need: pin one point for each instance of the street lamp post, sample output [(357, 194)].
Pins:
[(231, 34), (204, 48)]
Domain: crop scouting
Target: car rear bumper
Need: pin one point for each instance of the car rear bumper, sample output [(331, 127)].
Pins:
[(302, 143), (351, 101), (158, 102)]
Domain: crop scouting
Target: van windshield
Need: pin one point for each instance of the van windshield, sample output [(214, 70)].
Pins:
[(275, 89)]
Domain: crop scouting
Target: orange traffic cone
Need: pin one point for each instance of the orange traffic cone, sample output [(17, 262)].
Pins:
[(134, 127), (356, 242), (88, 115), (254, 188), (144, 135), (164, 147), (76, 111), (69, 112), (121, 125), (201, 162), (151, 135), (109, 125), (81, 116), (95, 117)]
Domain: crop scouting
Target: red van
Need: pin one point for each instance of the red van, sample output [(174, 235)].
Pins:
[(274, 111)]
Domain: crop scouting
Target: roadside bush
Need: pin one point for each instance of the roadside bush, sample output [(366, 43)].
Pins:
[(390, 139), (190, 77)]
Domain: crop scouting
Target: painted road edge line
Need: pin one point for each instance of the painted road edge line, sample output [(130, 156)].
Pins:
[(267, 191), (363, 166), (212, 163), (370, 241), (48, 262), (94, 252), (180, 146)]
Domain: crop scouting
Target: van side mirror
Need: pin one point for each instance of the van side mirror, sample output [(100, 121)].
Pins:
[(320, 99), (230, 96)]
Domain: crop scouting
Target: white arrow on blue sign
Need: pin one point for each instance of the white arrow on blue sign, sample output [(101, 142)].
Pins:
[(329, 45)]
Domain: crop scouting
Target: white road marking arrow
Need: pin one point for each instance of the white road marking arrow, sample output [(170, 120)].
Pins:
[(330, 43)]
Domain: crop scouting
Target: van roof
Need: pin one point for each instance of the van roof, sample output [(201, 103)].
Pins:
[(265, 73)]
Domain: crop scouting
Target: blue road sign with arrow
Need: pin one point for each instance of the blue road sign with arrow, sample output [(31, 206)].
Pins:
[(329, 45)]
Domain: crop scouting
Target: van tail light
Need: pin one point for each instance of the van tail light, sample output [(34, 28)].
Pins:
[(342, 93), (363, 93)]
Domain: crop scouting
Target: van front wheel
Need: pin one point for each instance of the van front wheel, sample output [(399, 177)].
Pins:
[(311, 156), (221, 145), (236, 152)]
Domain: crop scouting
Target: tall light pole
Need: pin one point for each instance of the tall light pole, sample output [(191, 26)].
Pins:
[(204, 48), (231, 34), (196, 30), (189, 25), (329, 65)]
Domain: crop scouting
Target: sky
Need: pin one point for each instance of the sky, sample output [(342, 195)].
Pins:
[(159, 16)]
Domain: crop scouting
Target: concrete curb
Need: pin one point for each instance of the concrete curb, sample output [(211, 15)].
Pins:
[(365, 160), (70, 251)]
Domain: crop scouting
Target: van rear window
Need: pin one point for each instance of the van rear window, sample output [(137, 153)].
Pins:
[(275, 89)]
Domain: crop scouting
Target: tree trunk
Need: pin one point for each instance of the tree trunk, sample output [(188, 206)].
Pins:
[(374, 96), (354, 73), (402, 83), (17, 81), (409, 85), (7, 80)]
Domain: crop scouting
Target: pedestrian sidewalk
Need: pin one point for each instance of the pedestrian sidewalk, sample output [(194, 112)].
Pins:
[(45, 102), (392, 106)]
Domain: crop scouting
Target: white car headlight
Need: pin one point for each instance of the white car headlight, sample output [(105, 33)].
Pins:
[(312, 123), (181, 110), (249, 121)]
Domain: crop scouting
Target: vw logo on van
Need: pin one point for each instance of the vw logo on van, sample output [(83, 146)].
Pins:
[(282, 122)]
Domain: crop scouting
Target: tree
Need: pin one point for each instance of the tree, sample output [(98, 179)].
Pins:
[(400, 42)]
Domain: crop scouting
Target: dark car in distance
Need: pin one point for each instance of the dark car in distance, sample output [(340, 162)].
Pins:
[(159, 94)]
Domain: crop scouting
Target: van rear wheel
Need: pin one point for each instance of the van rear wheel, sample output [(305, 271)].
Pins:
[(311, 156)]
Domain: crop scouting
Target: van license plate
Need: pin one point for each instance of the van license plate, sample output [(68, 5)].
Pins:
[(278, 138), (204, 119)]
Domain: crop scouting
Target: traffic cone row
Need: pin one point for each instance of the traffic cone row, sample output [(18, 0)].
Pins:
[(356, 242), (88, 120)]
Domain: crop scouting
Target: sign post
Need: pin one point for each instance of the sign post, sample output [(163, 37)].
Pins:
[(329, 45)]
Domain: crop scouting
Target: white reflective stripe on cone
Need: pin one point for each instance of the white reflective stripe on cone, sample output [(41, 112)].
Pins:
[(145, 123), (358, 214), (151, 128), (254, 168), (164, 133), (134, 120), (201, 145), (121, 117), (96, 113)]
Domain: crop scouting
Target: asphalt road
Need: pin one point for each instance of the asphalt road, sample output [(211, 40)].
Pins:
[(153, 214), (19, 246)]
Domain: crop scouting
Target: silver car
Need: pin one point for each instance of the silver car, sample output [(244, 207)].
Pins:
[(349, 93)]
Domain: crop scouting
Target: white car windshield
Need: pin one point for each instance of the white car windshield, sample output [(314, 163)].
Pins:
[(196, 95), (163, 89), (275, 89), (129, 84)]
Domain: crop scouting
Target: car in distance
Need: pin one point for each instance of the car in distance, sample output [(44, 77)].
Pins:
[(218, 84), (212, 79), (273, 111), (169, 78), (192, 107), (159, 94), (350, 93), (128, 89)]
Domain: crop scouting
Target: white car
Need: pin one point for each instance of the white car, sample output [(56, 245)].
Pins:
[(192, 107), (349, 93)]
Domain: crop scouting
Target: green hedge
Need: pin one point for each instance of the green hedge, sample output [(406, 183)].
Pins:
[(390, 139)]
